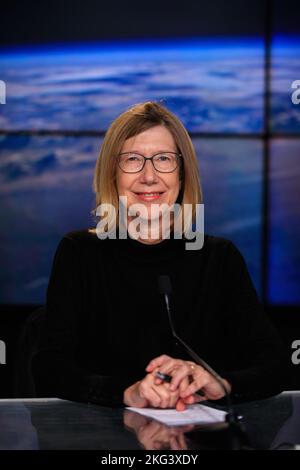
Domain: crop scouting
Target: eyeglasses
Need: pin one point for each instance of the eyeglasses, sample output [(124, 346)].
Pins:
[(164, 162)]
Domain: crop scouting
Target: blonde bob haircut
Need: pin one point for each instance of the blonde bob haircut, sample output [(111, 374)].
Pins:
[(132, 122)]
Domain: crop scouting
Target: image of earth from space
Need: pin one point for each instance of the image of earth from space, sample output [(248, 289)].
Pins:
[(213, 86)]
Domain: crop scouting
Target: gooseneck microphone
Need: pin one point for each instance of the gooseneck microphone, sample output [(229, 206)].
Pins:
[(165, 288)]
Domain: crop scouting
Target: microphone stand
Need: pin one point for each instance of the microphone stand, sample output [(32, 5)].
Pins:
[(231, 418)]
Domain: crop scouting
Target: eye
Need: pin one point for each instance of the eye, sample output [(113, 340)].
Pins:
[(163, 158), (132, 157)]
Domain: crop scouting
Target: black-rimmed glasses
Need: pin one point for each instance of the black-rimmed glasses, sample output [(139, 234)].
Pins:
[(164, 162)]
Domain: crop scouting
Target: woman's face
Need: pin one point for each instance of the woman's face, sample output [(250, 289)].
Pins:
[(149, 186)]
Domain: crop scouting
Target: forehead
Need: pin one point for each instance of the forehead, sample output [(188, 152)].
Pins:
[(155, 139)]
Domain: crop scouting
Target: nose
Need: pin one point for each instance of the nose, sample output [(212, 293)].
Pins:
[(148, 174)]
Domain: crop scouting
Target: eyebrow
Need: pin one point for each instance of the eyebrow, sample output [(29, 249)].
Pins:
[(158, 151)]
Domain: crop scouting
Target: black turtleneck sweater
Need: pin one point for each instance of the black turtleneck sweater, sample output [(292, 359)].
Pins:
[(106, 319)]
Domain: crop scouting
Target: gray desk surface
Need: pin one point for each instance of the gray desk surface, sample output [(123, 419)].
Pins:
[(46, 424)]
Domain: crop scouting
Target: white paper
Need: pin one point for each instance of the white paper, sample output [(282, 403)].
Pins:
[(194, 414)]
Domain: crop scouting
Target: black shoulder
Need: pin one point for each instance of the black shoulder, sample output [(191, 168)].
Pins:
[(82, 236), (227, 251), (212, 242), (222, 248)]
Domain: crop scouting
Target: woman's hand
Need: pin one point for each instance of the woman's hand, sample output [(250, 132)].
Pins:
[(198, 378), (149, 393)]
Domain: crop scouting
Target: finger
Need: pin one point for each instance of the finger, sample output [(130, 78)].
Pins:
[(183, 384), (157, 380), (164, 394), (179, 370), (170, 365), (167, 398), (179, 374), (164, 397), (160, 377), (196, 385), (156, 362), (180, 405), (146, 391), (153, 399), (172, 396), (199, 398), (191, 399), (173, 399)]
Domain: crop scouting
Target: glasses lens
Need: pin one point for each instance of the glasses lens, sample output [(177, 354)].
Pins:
[(165, 162), (131, 162)]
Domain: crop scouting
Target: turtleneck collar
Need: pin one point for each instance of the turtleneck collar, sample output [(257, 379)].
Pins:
[(166, 248)]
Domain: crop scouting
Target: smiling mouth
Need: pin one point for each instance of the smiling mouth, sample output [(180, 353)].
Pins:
[(149, 196)]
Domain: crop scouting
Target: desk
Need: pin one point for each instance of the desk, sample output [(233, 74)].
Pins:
[(53, 424)]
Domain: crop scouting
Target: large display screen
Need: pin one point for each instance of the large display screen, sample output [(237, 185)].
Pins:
[(61, 98)]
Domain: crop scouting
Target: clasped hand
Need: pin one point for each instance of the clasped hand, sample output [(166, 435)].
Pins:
[(187, 379)]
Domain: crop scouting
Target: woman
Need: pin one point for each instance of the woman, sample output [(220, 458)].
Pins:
[(107, 332)]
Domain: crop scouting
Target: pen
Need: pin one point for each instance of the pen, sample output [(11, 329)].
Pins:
[(168, 378), (164, 377)]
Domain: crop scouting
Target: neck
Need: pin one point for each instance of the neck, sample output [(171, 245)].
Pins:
[(149, 232)]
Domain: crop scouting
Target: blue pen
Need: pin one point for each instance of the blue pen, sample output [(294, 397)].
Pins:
[(164, 377)]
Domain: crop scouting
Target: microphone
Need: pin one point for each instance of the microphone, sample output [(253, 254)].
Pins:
[(165, 288)]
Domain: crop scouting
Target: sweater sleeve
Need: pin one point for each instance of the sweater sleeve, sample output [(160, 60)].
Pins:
[(253, 337), (55, 366)]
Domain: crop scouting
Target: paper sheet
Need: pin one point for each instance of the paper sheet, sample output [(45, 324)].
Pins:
[(194, 414)]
